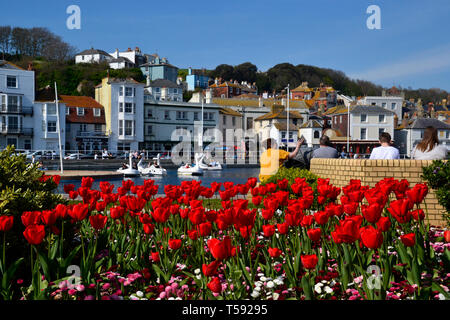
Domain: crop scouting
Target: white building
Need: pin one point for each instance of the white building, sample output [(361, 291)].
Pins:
[(120, 63), (165, 90), (17, 114), (135, 56), (391, 103), (92, 56), (408, 136), (46, 127), (368, 122), (312, 131), (123, 102)]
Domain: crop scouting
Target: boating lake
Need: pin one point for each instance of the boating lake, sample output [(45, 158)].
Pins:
[(236, 175)]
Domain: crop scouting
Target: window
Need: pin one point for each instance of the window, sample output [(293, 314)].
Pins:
[(67, 111), (120, 127), (175, 91), (196, 118), (80, 111), (98, 127), (208, 116), (283, 135), (51, 109), (363, 133), (249, 123), (291, 135), (149, 130), (51, 126), (233, 121), (97, 112), (83, 127), (149, 113), (120, 107), (128, 107), (224, 120), (363, 117), (134, 92), (11, 81), (13, 103), (27, 144), (157, 90), (167, 115), (128, 127), (3, 102), (383, 104), (380, 131), (316, 134), (128, 92), (181, 115), (340, 119), (381, 118), (441, 134), (393, 106), (121, 91)]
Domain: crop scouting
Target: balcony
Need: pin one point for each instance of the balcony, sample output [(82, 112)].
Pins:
[(16, 130), (16, 110)]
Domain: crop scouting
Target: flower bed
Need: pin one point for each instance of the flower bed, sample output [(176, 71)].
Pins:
[(289, 242)]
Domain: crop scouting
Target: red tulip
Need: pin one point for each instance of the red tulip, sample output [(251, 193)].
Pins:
[(31, 217), (314, 234), (61, 211), (6, 223), (220, 250), (98, 221), (384, 224), (155, 257), (267, 214), (268, 230), (447, 236), (408, 239), (418, 214), (256, 200), (210, 269), (418, 193), (34, 234), (399, 209), (148, 228), (79, 212), (321, 217), (215, 286), (283, 228), (372, 238), (193, 234), (68, 188), (346, 231), (73, 195), (351, 207), (174, 244), (372, 212), (309, 261), (274, 252), (205, 229), (307, 221), (48, 217), (117, 212), (86, 182)]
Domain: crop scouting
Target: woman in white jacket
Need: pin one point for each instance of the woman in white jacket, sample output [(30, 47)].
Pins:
[(429, 148)]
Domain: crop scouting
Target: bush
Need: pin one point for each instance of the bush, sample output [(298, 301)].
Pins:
[(438, 177), (292, 173)]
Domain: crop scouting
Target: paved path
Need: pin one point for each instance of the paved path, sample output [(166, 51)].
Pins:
[(78, 174)]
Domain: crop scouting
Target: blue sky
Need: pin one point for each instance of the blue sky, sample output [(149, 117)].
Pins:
[(411, 49)]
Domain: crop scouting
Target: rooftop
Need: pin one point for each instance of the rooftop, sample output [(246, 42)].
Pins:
[(9, 65), (230, 112), (163, 83), (93, 51), (80, 101)]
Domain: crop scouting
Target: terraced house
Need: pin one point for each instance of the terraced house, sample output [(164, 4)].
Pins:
[(123, 103)]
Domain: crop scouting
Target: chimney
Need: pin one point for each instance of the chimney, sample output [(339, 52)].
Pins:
[(30, 66), (283, 102), (260, 102), (148, 80), (129, 49), (137, 49), (208, 96), (190, 71)]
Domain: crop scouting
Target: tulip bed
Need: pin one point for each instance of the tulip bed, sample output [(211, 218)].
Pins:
[(289, 241)]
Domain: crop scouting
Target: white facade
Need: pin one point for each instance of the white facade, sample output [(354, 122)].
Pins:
[(135, 56), (16, 107), (92, 56), (369, 125), (390, 103), (127, 109), (46, 126), (311, 131), (165, 94)]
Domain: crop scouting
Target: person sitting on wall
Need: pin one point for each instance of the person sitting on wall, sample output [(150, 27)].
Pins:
[(429, 148), (325, 150), (386, 150), (273, 157)]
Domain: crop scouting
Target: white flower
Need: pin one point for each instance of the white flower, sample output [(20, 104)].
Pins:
[(140, 294), (270, 284), (198, 276), (255, 294), (263, 279), (324, 281), (317, 288), (258, 283), (278, 282), (171, 298), (276, 296), (328, 289), (261, 274), (257, 289), (197, 271), (441, 296)]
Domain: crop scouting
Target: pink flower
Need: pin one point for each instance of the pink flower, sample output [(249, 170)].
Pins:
[(72, 292), (106, 286)]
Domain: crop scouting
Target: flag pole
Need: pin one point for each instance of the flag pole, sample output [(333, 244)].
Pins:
[(59, 129)]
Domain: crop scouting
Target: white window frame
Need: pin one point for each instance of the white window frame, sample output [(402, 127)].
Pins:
[(384, 118), (366, 118), (80, 111), (67, 111), (361, 135), (16, 80), (48, 126), (97, 112)]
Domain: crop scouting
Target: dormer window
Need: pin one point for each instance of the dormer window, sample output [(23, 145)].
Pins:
[(80, 111)]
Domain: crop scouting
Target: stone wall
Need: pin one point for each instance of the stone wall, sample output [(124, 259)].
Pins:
[(340, 171)]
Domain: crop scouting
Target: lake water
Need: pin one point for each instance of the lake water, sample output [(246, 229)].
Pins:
[(236, 175)]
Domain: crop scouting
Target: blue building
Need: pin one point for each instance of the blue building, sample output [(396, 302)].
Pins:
[(159, 68), (196, 79)]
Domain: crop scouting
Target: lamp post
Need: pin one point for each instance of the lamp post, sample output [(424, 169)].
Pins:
[(59, 129), (287, 124)]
